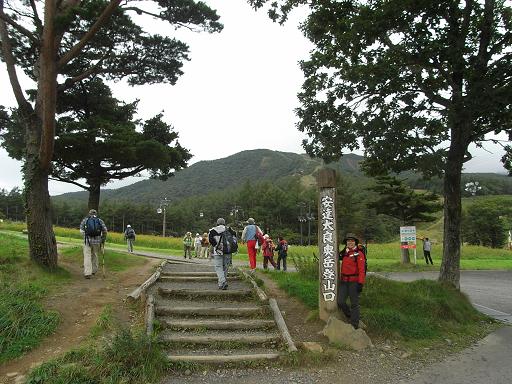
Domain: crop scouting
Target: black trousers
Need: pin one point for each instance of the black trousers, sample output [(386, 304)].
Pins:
[(427, 257), (348, 289), (283, 258)]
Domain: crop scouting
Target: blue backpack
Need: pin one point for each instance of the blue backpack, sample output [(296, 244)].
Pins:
[(93, 227)]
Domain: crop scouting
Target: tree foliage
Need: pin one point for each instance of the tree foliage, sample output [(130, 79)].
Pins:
[(486, 222), (398, 200), (67, 42), (402, 78), (99, 140)]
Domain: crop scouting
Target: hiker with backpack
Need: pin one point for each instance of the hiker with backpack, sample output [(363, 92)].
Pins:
[(129, 236), (267, 247), (95, 232), (282, 252), (352, 278), (224, 243), (250, 236), (187, 245)]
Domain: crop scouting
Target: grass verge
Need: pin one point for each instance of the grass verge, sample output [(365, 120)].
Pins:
[(23, 285), (129, 357), (417, 314)]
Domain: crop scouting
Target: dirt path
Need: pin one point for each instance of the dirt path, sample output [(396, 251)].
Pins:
[(79, 303)]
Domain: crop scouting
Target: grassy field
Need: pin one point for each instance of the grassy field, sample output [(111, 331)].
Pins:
[(381, 257)]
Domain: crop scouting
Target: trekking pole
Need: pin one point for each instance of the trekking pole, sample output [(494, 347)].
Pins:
[(103, 259)]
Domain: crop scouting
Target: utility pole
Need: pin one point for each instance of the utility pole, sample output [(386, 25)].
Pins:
[(162, 209)]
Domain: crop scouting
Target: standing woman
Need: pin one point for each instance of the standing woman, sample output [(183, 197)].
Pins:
[(352, 278), (204, 245)]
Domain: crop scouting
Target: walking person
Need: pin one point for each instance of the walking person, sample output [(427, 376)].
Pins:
[(197, 245), (129, 236), (223, 242), (95, 232), (250, 236), (267, 247), (352, 278), (282, 252), (187, 245), (204, 245), (427, 247)]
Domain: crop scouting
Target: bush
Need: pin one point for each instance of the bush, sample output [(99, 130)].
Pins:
[(306, 266)]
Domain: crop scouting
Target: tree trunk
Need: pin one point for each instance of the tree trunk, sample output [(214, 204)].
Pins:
[(450, 266), (42, 244), (94, 196)]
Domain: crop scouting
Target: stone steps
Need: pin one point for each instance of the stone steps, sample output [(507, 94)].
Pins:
[(220, 338), (227, 294), (223, 359), (210, 310), (201, 324), (217, 324)]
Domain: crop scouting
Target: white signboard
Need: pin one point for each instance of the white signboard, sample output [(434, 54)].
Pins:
[(327, 246), (408, 234)]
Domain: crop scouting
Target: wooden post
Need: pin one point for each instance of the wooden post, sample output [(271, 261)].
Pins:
[(327, 243)]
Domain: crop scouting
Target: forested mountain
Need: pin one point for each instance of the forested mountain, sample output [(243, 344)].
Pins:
[(260, 165), (205, 177)]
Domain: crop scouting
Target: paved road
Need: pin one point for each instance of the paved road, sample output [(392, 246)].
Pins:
[(489, 291), (488, 362)]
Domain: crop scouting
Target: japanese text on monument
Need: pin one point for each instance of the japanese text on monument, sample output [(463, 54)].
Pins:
[(327, 247)]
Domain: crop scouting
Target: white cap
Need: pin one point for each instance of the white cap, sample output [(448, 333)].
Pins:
[(128, 226)]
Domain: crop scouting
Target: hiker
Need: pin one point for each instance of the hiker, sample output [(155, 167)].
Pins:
[(197, 245), (282, 252), (250, 236), (187, 245), (427, 247), (223, 242), (267, 247), (352, 278), (204, 245), (95, 232), (129, 236)]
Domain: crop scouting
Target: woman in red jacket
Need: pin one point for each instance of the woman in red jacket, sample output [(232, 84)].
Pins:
[(352, 277)]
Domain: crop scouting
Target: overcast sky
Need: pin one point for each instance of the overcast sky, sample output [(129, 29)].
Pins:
[(238, 92)]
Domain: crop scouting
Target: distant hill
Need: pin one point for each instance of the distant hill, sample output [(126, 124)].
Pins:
[(256, 165), (205, 177)]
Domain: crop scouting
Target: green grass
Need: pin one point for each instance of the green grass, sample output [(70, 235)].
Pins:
[(418, 310), (114, 261), (24, 285), (420, 313), (23, 320), (130, 357)]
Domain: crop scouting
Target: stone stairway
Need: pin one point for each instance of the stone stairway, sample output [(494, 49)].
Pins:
[(198, 323)]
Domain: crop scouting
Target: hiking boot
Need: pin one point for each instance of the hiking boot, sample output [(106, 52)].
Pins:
[(87, 276), (224, 286)]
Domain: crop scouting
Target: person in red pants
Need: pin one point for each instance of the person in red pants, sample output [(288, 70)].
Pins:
[(250, 236)]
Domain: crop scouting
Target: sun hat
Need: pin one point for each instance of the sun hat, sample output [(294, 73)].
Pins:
[(350, 235), (250, 220)]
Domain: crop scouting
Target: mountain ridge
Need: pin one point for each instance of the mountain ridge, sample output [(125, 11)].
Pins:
[(256, 165)]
